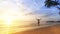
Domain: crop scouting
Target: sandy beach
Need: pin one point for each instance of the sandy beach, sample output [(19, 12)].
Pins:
[(46, 30)]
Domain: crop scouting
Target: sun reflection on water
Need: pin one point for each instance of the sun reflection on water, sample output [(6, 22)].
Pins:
[(5, 25)]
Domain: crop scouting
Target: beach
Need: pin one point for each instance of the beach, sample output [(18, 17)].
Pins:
[(55, 29)]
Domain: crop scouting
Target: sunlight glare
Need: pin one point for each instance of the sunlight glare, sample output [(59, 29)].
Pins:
[(8, 21)]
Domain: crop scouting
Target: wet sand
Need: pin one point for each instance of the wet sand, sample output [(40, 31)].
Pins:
[(46, 30)]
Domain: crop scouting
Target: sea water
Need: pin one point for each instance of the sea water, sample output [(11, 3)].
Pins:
[(4, 29)]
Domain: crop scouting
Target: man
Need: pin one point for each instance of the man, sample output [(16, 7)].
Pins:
[(38, 20)]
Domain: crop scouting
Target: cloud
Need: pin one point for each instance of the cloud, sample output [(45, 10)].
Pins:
[(26, 7)]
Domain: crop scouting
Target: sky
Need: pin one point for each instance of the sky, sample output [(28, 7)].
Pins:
[(26, 10), (37, 8)]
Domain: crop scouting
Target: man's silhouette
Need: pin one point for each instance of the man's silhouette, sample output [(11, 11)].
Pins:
[(38, 20)]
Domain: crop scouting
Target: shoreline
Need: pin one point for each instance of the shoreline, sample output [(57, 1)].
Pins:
[(45, 30)]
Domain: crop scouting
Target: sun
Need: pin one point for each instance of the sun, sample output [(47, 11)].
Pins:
[(8, 21)]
